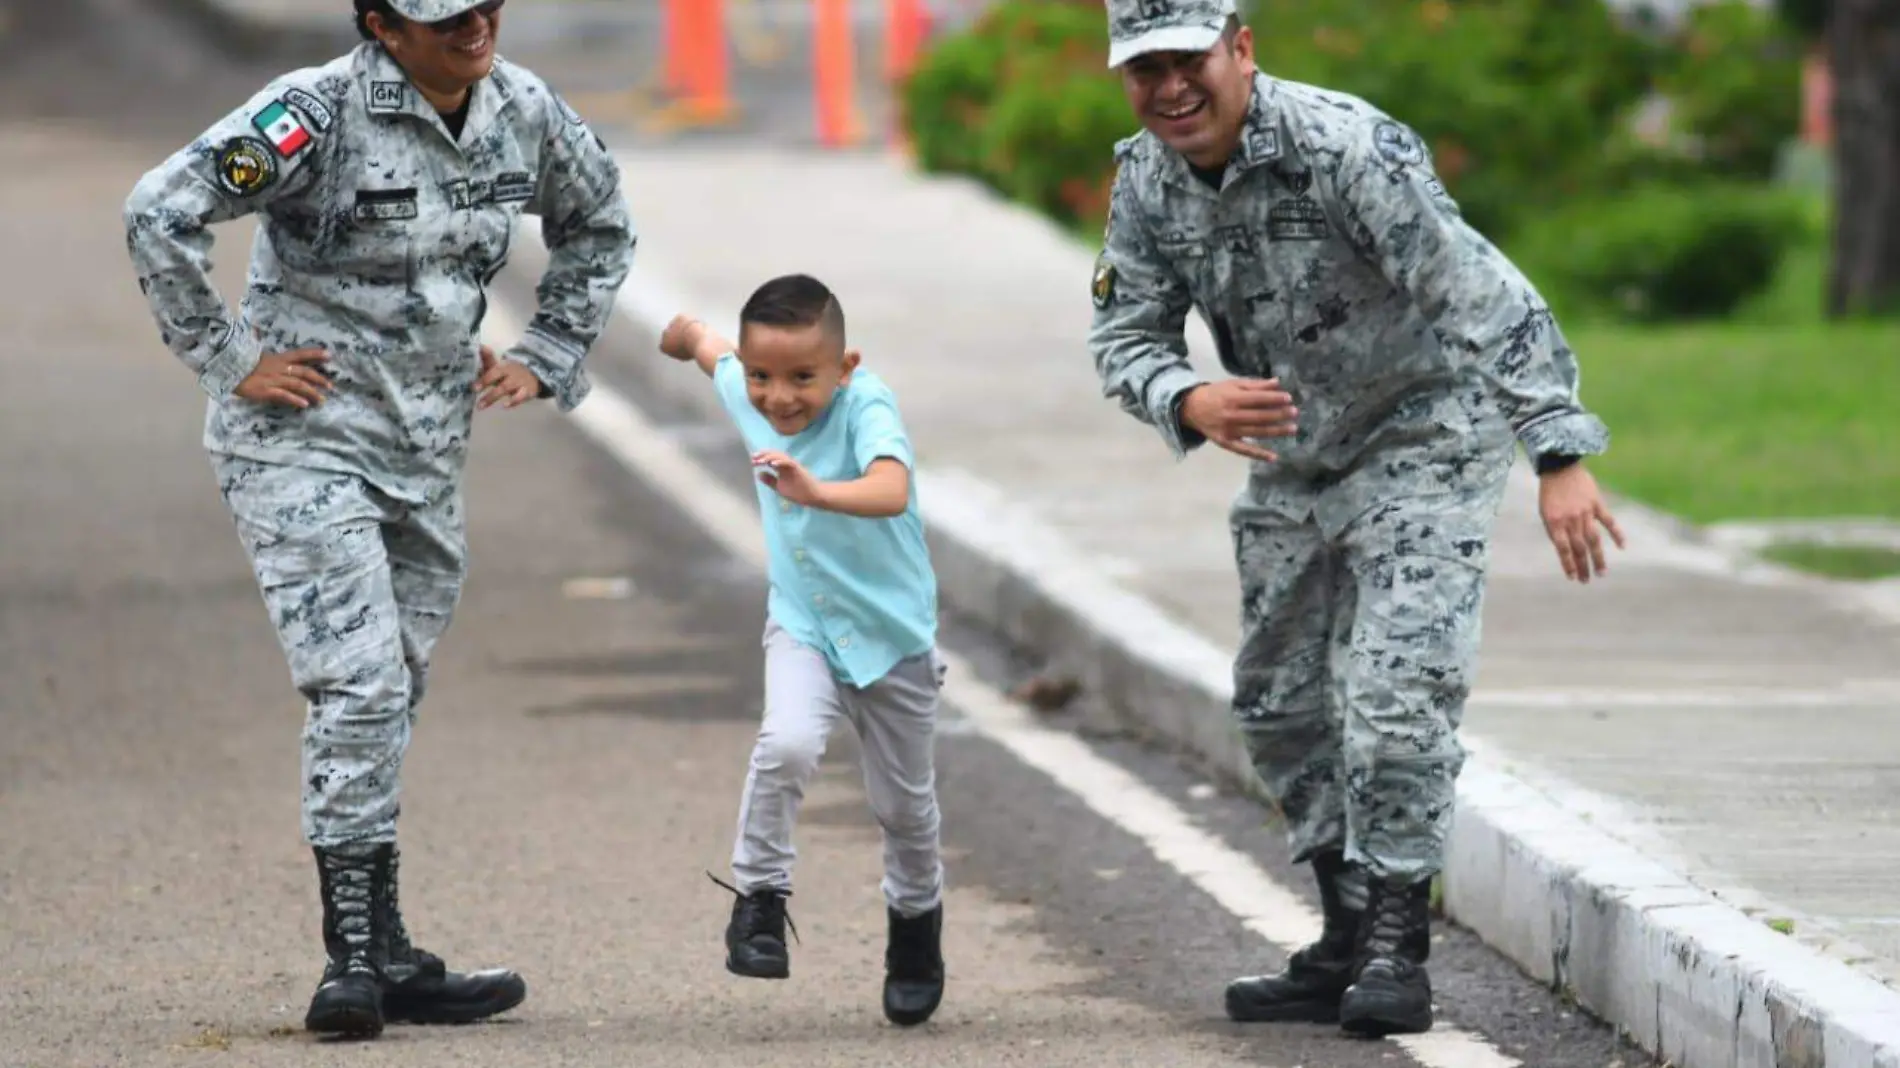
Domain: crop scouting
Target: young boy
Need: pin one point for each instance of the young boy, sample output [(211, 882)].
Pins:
[(851, 629)]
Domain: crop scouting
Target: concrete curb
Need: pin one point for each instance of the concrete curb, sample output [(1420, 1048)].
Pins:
[(1687, 977)]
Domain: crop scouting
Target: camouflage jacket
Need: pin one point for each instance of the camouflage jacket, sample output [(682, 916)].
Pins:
[(378, 232), (1333, 258)]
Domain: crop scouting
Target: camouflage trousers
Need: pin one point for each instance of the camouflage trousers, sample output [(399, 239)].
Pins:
[(1356, 656), (360, 586)]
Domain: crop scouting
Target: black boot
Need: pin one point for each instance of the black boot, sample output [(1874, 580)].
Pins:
[(419, 988), (1390, 993), (913, 966), (755, 936), (354, 887), (1308, 991)]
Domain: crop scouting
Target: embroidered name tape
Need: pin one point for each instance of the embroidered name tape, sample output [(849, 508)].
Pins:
[(379, 205)]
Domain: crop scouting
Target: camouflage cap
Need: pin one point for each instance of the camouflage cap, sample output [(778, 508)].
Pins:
[(1138, 26), (432, 10)]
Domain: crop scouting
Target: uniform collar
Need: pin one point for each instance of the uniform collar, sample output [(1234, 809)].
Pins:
[(1259, 139), (387, 92)]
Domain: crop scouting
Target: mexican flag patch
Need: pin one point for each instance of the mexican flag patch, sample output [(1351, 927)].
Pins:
[(281, 127)]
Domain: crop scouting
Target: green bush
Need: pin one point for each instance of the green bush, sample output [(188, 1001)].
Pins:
[(1663, 252), (1734, 86), (1516, 98), (1808, 18), (1016, 47), (1047, 142)]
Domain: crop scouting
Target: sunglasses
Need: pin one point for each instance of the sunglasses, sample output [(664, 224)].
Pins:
[(455, 22)]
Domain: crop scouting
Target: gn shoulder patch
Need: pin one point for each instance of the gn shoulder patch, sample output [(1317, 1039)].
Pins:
[(245, 166)]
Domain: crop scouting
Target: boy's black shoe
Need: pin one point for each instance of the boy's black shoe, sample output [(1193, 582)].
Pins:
[(354, 886), (1391, 993), (913, 966), (419, 988), (1316, 975), (755, 936)]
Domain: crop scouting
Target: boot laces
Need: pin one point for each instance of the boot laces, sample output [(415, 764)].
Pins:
[(760, 912), (1388, 923), (350, 899)]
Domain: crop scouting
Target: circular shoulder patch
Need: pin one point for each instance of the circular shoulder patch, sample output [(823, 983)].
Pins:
[(1397, 143), (1102, 287), (245, 165)]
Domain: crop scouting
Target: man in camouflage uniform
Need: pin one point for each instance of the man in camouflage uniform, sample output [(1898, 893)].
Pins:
[(341, 398), (1335, 273)]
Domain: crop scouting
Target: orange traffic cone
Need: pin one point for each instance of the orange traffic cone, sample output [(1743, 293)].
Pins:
[(906, 28), (834, 73)]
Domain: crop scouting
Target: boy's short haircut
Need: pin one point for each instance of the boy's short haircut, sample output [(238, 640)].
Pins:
[(794, 301)]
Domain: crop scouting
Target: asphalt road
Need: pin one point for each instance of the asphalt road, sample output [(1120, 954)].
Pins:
[(578, 762)]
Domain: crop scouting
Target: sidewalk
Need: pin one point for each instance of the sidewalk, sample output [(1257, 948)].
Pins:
[(1679, 717)]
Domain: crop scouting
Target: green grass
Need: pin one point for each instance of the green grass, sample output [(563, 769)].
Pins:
[(1837, 561), (1774, 413), (1745, 421)]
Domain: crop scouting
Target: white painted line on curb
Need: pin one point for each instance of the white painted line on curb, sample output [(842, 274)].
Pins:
[(1228, 876)]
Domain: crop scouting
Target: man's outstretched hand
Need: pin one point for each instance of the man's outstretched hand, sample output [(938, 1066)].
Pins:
[(1573, 508)]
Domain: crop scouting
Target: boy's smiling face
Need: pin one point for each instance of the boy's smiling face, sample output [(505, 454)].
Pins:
[(791, 373)]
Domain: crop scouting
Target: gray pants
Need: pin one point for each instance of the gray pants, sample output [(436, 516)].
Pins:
[(895, 719), (360, 587)]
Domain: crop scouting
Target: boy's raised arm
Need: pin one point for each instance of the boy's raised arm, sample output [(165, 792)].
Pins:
[(686, 338)]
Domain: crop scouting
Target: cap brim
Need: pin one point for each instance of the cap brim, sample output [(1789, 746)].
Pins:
[(1171, 39), (431, 10)]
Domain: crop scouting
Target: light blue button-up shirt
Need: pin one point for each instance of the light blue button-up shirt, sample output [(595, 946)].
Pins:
[(861, 591)]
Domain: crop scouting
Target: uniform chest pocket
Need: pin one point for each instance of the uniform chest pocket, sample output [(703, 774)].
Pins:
[(482, 217), (1227, 278), (1194, 261), (379, 228)]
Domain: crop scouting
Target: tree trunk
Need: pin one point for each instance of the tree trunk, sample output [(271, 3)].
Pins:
[(1864, 43)]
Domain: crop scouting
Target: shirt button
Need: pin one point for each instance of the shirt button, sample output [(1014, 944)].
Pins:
[(798, 554), (784, 506), (844, 643), (818, 598)]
